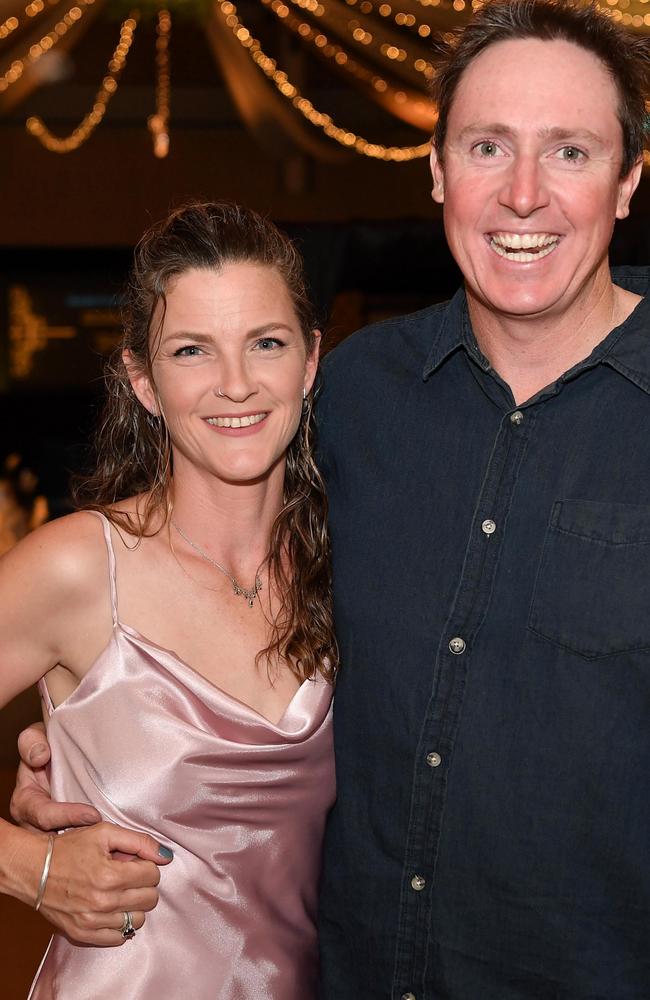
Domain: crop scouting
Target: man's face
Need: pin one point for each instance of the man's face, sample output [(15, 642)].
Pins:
[(531, 178)]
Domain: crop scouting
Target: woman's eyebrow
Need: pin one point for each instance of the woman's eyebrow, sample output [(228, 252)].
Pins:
[(208, 338), (260, 331)]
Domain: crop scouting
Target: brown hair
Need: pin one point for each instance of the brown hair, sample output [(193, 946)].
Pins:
[(625, 55), (134, 449)]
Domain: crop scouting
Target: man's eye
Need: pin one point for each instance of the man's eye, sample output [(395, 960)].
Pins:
[(487, 148), (571, 154), (191, 351)]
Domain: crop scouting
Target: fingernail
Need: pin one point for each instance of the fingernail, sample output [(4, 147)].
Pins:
[(37, 751), (89, 818), (165, 852)]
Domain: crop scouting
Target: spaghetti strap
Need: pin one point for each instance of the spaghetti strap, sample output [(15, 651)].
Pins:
[(106, 524), (45, 695)]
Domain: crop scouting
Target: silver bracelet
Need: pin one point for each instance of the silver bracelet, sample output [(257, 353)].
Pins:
[(45, 872)]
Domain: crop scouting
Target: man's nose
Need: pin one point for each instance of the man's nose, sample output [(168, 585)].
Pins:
[(524, 189)]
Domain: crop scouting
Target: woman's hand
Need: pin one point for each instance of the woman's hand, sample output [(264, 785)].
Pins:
[(31, 804), (88, 890)]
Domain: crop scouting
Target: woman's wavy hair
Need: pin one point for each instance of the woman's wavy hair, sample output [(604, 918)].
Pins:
[(133, 447), (625, 55)]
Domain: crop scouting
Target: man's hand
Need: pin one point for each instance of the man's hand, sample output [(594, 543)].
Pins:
[(31, 804)]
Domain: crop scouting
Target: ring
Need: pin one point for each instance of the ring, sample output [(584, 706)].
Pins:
[(127, 929)]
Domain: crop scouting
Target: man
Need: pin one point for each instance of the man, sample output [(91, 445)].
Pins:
[(488, 467), (488, 463)]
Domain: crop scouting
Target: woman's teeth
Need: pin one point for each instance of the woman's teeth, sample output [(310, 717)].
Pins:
[(256, 418)]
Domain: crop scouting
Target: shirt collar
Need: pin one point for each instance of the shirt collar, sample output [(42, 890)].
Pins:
[(626, 348), (454, 332)]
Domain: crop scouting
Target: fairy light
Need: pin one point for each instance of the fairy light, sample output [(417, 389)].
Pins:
[(158, 123), (350, 140), (66, 144), (401, 19), (337, 54), (9, 25), (360, 35), (626, 12), (47, 42)]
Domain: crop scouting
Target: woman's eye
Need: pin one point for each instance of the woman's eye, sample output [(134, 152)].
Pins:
[(268, 343), (191, 351), (570, 154), (487, 148)]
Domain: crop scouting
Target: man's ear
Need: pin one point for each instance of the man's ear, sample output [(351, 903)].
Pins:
[(140, 383), (438, 175), (311, 362), (626, 188)]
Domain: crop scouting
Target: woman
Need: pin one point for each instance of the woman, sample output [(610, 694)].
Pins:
[(181, 632)]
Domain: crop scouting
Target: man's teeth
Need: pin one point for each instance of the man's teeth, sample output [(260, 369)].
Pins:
[(236, 421), (517, 247)]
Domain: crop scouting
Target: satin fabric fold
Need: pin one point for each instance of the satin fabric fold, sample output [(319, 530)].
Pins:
[(242, 802)]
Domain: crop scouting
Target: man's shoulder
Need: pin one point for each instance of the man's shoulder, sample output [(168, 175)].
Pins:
[(405, 338), (632, 278)]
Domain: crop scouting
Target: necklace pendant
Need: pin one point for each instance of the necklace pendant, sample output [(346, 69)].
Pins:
[(249, 595)]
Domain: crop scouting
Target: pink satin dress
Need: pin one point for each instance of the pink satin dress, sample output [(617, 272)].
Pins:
[(242, 802)]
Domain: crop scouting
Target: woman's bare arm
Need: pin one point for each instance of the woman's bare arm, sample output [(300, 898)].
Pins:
[(52, 596)]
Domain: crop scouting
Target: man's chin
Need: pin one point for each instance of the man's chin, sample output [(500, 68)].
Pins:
[(513, 303)]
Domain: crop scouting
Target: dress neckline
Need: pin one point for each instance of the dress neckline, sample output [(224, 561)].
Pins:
[(131, 634)]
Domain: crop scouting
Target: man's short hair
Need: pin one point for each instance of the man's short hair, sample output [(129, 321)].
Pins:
[(624, 54)]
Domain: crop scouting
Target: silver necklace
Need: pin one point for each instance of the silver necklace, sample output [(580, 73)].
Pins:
[(250, 595)]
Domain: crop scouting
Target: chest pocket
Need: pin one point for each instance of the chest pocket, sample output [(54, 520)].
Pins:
[(592, 593)]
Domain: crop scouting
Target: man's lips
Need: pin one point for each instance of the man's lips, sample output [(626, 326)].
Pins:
[(523, 248), (234, 422)]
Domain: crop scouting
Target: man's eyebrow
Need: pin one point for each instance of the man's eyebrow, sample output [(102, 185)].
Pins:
[(581, 134), (556, 133)]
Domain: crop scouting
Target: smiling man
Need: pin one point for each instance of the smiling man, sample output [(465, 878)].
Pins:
[(488, 466)]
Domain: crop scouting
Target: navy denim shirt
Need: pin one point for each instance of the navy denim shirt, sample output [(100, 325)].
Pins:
[(491, 839)]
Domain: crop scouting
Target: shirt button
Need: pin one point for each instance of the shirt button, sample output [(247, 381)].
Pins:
[(457, 645), (418, 883), (434, 759), (517, 418), (408, 996), (489, 526)]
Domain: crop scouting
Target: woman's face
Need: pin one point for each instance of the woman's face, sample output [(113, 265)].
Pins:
[(230, 368)]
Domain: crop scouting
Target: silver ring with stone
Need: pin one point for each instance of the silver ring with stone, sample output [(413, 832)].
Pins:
[(127, 930)]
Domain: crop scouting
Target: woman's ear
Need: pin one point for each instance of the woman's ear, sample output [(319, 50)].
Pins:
[(311, 362), (140, 383)]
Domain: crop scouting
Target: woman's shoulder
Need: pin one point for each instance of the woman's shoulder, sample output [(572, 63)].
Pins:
[(67, 552)]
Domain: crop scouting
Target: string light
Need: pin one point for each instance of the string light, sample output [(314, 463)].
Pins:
[(7, 26), (624, 12), (424, 110), (57, 144), (158, 123), (386, 11), (348, 139), (31, 10), (361, 36), (47, 42)]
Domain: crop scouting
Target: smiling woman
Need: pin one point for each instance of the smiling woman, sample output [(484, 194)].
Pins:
[(184, 715)]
